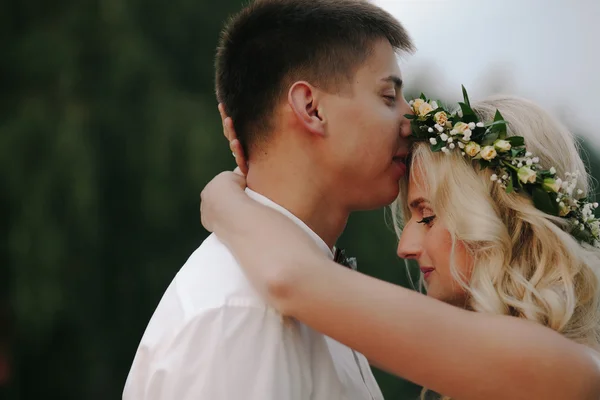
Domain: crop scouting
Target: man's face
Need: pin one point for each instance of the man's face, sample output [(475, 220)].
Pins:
[(368, 133)]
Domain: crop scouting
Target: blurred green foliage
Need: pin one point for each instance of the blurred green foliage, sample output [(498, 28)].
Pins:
[(108, 132)]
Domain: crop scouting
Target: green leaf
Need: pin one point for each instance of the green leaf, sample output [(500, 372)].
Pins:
[(543, 201), (438, 146), (422, 97), (483, 164), (489, 139), (516, 141), (410, 116), (509, 185), (515, 152), (466, 96), (499, 125)]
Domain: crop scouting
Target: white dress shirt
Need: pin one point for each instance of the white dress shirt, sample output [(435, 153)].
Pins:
[(213, 337)]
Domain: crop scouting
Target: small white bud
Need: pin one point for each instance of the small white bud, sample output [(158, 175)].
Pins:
[(471, 125), (494, 178), (432, 141), (451, 146), (450, 140), (536, 160), (430, 130), (444, 137), (480, 125), (529, 162), (553, 170), (461, 145), (528, 154)]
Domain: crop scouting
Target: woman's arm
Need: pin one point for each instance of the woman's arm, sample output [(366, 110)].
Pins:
[(459, 353)]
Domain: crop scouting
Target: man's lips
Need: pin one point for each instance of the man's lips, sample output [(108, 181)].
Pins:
[(400, 160)]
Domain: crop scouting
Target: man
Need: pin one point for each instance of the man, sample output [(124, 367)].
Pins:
[(314, 89)]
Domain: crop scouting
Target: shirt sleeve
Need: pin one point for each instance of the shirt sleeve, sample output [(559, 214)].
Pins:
[(227, 353)]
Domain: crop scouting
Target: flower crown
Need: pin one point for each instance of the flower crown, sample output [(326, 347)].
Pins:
[(515, 168)]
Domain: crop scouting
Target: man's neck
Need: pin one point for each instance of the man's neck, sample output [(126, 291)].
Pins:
[(306, 198)]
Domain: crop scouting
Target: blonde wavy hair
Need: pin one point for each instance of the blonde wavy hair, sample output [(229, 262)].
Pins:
[(524, 263)]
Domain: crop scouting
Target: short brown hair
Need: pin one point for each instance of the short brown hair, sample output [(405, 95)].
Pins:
[(272, 43)]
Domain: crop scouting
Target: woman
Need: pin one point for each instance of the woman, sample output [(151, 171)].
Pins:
[(513, 292)]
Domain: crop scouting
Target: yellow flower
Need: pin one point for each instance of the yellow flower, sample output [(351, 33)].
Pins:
[(526, 175), (488, 153), (441, 118), (550, 185), (424, 109), (418, 103), (502, 145), (461, 127), (472, 149)]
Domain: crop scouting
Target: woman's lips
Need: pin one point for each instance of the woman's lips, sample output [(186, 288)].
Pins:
[(426, 271)]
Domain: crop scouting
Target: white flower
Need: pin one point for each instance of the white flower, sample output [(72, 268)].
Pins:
[(536, 160), (439, 128), (502, 145), (432, 141), (444, 137), (529, 162), (445, 150), (430, 130), (410, 103), (526, 175), (488, 153), (472, 149), (471, 125), (467, 133), (462, 153), (425, 109), (450, 140), (434, 104), (461, 144), (520, 164), (452, 145), (480, 125), (553, 171), (441, 118), (595, 205), (494, 178), (528, 154), (505, 177)]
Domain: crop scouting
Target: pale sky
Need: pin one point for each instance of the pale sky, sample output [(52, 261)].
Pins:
[(545, 50)]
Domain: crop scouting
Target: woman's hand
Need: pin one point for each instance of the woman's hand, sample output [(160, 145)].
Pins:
[(219, 197), (234, 143)]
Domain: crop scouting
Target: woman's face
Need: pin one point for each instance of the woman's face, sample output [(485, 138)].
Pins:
[(426, 240)]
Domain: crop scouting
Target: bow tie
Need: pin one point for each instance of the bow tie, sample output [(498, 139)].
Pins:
[(341, 258)]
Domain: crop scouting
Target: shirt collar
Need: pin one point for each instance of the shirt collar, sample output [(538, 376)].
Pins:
[(269, 203)]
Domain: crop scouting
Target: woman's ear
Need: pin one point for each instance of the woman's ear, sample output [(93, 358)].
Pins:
[(303, 98)]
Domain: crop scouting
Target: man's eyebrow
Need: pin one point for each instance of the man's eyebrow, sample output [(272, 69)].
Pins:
[(395, 79), (416, 202)]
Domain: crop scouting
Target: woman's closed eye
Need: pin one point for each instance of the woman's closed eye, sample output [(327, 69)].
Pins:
[(427, 220)]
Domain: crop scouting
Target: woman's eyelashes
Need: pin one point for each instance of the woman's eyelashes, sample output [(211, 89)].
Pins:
[(427, 220)]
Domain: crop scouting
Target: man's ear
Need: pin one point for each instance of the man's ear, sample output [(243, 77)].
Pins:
[(304, 99)]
